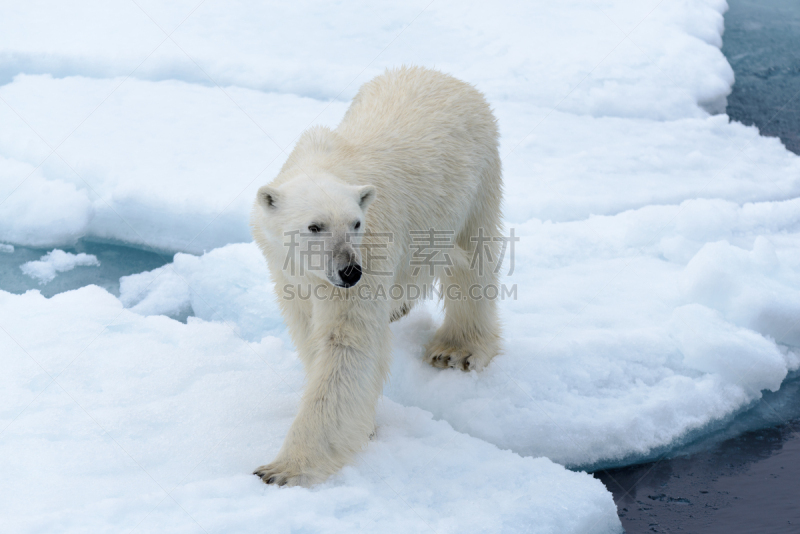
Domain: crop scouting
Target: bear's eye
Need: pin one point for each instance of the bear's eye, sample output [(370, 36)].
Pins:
[(314, 228), (357, 225)]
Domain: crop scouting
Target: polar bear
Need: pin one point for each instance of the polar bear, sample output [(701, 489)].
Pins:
[(411, 174)]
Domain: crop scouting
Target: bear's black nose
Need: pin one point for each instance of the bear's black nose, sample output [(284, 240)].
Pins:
[(350, 275)]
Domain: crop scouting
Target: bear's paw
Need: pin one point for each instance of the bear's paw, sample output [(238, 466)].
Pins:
[(443, 355), (281, 473)]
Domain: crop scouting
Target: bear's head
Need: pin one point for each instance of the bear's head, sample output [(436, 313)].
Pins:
[(318, 222)]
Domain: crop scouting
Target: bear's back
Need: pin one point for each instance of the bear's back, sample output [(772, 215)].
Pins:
[(415, 106)]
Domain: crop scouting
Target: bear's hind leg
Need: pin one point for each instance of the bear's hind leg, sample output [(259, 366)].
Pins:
[(470, 335)]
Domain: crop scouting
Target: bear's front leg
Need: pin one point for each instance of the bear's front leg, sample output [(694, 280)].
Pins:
[(337, 413)]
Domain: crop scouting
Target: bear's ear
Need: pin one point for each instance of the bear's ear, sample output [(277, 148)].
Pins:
[(267, 197), (366, 194)]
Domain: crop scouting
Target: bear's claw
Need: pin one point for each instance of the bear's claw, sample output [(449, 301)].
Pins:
[(454, 357), (399, 313), (279, 475)]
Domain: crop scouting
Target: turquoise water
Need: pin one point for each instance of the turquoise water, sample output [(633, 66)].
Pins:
[(115, 261)]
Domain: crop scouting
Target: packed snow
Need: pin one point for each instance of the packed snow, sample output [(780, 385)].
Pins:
[(147, 424), (656, 274), (46, 268)]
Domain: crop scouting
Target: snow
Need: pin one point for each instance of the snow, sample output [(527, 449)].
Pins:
[(621, 57), (202, 285), (175, 155), (656, 272), (56, 261), (147, 424)]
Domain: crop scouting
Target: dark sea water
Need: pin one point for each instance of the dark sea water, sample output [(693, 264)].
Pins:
[(736, 480), (762, 44), (742, 478), (746, 485)]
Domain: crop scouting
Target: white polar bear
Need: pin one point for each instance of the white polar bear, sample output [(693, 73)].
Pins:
[(414, 157)]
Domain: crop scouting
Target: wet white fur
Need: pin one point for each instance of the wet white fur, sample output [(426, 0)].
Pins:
[(427, 143)]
